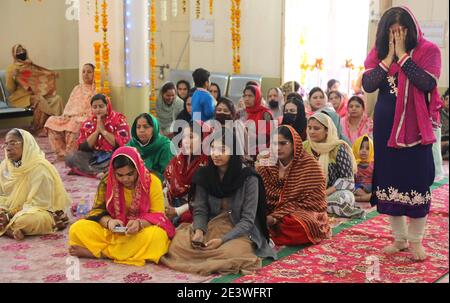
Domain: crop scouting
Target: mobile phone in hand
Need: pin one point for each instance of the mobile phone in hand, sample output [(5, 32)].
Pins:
[(199, 244), (120, 229)]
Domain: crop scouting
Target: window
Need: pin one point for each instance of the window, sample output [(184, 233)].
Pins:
[(334, 30)]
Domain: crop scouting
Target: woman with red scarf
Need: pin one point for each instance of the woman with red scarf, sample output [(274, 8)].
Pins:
[(127, 223), (256, 114), (405, 68), (180, 171), (100, 135)]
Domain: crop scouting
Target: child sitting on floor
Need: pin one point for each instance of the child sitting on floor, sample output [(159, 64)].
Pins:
[(364, 154)]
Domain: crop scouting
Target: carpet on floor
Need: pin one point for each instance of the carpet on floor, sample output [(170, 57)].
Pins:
[(354, 255), (45, 259)]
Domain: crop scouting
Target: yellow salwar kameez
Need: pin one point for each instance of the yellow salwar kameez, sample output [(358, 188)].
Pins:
[(32, 192), (149, 244)]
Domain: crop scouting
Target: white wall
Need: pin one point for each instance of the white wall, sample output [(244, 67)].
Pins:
[(430, 11), (42, 28), (261, 30)]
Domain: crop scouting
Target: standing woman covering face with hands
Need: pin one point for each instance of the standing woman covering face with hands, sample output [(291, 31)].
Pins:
[(405, 68)]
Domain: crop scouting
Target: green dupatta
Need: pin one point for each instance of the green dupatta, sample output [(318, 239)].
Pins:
[(157, 153)]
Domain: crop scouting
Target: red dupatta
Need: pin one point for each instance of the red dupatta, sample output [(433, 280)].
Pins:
[(257, 111), (115, 123), (256, 114), (179, 172), (140, 206), (413, 121)]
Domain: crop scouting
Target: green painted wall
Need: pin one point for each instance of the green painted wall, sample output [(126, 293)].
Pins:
[(131, 101), (68, 79), (268, 83)]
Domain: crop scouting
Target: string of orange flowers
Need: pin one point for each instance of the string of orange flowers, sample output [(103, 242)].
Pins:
[(318, 64), (197, 9), (211, 7), (105, 50), (236, 34), (153, 96), (96, 17), (349, 64), (98, 67), (184, 6)]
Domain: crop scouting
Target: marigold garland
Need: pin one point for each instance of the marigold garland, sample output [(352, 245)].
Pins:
[(211, 7), (98, 67), (153, 96), (105, 50), (197, 9), (236, 34), (96, 17), (304, 66), (349, 64), (318, 64), (184, 7)]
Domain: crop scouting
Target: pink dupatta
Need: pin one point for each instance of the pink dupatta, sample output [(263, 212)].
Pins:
[(365, 125), (413, 121), (140, 207)]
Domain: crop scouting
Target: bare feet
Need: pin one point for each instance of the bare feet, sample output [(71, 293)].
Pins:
[(81, 252), (418, 251), (395, 247), (17, 235)]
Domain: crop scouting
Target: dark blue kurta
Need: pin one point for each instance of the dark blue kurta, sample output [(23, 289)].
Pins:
[(402, 177)]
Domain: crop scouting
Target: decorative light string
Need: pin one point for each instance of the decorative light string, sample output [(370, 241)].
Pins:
[(174, 8), (163, 6), (129, 27)]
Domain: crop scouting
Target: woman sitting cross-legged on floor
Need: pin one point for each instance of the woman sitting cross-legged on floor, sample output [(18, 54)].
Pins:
[(338, 163), (180, 171), (154, 148), (33, 200), (229, 233), (100, 135), (63, 131), (296, 197), (129, 197)]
